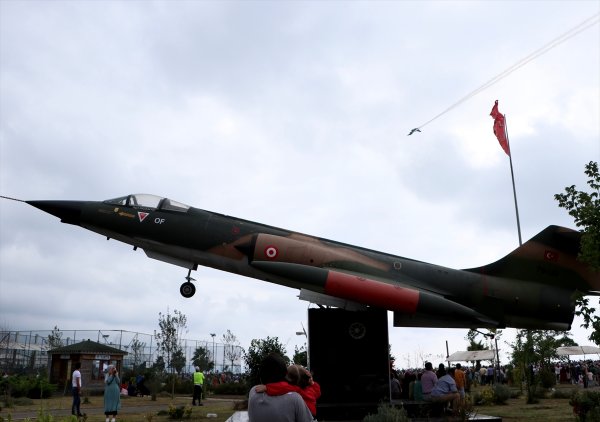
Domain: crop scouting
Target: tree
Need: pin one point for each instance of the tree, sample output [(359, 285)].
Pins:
[(537, 349), (168, 340), (590, 319), (584, 207), (257, 352), (55, 338), (475, 344), (178, 360), (202, 359), (232, 350), (300, 355), (137, 348), (159, 365)]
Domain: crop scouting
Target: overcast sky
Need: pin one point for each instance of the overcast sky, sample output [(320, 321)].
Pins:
[(293, 114)]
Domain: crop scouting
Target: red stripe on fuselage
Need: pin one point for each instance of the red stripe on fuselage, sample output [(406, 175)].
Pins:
[(371, 292)]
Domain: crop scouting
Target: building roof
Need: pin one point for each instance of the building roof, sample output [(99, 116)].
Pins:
[(88, 346), (577, 350), (474, 355)]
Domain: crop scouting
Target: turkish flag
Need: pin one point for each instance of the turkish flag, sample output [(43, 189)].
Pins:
[(500, 128)]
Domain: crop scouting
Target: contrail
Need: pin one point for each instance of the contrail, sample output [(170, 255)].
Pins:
[(589, 22)]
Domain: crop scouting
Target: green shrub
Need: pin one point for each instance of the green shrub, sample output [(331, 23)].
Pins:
[(515, 394), (40, 388), (547, 378), (232, 388), (34, 387), (180, 412), (485, 396), (586, 405), (18, 386), (515, 377), (501, 393), (561, 394), (387, 413), (184, 386)]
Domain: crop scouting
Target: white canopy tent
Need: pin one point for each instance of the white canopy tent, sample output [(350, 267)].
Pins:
[(577, 350), (467, 356)]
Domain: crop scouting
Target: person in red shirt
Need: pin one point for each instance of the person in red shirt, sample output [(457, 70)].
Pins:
[(299, 380)]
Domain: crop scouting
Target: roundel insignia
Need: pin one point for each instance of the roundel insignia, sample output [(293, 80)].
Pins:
[(357, 330), (271, 252), (550, 256)]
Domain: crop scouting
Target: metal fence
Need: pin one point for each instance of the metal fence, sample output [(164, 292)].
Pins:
[(26, 351)]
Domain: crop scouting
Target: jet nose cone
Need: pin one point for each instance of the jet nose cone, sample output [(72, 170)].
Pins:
[(68, 211)]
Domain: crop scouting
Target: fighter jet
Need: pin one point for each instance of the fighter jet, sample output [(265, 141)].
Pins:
[(534, 286)]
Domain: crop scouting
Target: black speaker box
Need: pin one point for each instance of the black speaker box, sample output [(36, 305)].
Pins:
[(349, 358)]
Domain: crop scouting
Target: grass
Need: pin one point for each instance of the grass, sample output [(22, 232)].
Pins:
[(133, 409), (546, 410), (143, 409), (517, 410)]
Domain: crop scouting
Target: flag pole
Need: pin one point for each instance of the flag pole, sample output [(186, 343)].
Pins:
[(512, 175)]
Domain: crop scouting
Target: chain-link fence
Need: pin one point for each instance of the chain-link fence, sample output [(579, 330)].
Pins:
[(27, 351)]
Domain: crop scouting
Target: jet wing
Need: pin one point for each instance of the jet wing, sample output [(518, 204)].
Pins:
[(153, 249), (361, 289)]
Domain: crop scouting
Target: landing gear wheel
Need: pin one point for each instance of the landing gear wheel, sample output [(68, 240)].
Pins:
[(187, 289)]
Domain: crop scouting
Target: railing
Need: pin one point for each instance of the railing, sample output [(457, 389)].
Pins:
[(27, 351)]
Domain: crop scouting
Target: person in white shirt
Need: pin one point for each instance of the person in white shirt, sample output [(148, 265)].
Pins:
[(76, 384)]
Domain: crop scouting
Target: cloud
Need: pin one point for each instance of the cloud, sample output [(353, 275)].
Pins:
[(291, 114)]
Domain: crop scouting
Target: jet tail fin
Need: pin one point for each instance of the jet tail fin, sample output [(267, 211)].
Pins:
[(550, 257)]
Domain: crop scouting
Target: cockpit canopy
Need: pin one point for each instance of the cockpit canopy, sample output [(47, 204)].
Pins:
[(148, 201)]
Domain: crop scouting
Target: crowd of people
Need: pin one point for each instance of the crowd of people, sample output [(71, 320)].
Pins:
[(289, 393), (585, 373), (445, 385), (449, 385)]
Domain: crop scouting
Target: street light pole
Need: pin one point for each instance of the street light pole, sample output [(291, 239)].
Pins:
[(303, 333), (213, 352)]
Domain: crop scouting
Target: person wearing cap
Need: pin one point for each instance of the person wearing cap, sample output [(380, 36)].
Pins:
[(288, 407), (198, 383)]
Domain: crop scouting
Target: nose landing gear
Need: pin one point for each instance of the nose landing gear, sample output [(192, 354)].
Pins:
[(188, 289)]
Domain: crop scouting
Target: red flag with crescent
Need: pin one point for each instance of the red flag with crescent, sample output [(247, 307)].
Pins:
[(500, 128)]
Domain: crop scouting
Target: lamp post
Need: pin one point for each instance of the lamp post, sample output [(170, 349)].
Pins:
[(213, 351), (303, 333)]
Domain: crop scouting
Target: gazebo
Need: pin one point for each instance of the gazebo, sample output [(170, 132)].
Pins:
[(475, 355), (578, 350), (94, 358)]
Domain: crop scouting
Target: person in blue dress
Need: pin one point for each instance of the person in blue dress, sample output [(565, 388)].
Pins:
[(112, 394)]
